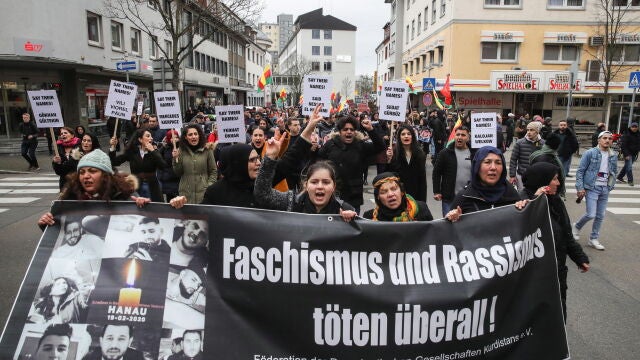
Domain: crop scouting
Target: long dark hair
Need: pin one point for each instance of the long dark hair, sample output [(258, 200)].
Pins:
[(184, 144), (416, 149), (46, 306), (134, 142), (323, 165), (111, 184)]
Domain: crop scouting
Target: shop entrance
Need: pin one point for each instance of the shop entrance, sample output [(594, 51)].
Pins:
[(529, 103), (12, 106)]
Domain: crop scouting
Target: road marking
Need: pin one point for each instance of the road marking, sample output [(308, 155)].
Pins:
[(31, 184), (624, 211), (615, 192), (29, 191), (3, 210), (18, 200), (637, 222), (624, 200), (43, 178)]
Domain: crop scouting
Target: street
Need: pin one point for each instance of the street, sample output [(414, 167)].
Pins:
[(603, 304)]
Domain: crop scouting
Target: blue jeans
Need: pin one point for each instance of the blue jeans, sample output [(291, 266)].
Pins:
[(446, 206), (627, 170), (566, 164), (144, 190), (596, 199)]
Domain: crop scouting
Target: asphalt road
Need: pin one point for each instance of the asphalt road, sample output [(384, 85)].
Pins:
[(603, 304)]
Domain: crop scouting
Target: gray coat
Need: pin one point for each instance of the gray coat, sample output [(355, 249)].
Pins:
[(520, 155)]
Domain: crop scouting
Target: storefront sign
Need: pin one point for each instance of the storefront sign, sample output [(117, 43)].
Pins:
[(46, 108), (480, 101), (393, 101), (316, 90), (32, 47), (515, 81), (121, 100), (230, 124), (168, 109), (483, 130)]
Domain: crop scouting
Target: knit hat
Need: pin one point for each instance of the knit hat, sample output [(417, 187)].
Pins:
[(633, 124), (96, 159), (534, 125)]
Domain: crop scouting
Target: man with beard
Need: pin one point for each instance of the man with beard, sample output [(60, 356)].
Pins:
[(452, 170), (568, 145), (191, 346), (76, 244), (185, 301), (115, 343), (189, 245), (151, 247)]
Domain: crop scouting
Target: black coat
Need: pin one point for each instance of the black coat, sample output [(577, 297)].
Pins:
[(569, 145), (349, 160), (445, 172), (630, 143), (413, 174), (470, 201), (144, 168), (68, 164)]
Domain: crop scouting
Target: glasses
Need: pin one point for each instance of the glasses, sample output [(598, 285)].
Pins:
[(255, 159)]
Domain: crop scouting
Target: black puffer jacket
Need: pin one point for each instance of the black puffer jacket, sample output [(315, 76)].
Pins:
[(569, 145), (630, 143), (445, 171), (349, 159)]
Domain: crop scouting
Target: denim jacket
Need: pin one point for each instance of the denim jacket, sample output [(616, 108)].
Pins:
[(589, 167)]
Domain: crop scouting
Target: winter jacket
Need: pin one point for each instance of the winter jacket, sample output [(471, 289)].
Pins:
[(569, 143), (520, 155), (630, 143), (590, 166), (68, 164), (197, 170), (142, 167), (167, 177), (413, 174), (445, 173), (349, 160), (471, 201), (27, 129)]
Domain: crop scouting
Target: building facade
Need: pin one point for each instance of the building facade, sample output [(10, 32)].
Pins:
[(514, 55), (79, 57)]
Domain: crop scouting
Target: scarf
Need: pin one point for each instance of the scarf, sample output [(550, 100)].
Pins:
[(407, 211), (304, 205), (67, 144), (493, 193)]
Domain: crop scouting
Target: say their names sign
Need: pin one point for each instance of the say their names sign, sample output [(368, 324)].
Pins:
[(483, 130), (46, 108), (393, 101), (230, 124), (168, 109), (121, 100), (316, 90)]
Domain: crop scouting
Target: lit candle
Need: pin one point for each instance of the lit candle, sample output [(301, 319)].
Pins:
[(130, 296)]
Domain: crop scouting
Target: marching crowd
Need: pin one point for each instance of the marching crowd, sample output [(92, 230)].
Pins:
[(319, 165)]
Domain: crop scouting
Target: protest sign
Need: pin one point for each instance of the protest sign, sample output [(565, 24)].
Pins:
[(168, 109), (480, 288), (393, 101), (230, 124), (483, 130), (122, 97), (46, 108), (316, 90), (139, 109)]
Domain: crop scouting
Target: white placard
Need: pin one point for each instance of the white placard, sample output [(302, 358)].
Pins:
[(46, 108), (316, 90), (483, 130), (168, 109), (230, 124), (393, 101), (121, 100), (139, 110)]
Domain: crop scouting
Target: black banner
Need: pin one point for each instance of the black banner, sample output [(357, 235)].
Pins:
[(131, 282)]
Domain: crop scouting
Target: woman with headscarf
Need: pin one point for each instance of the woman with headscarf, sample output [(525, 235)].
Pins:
[(393, 203), (548, 153), (407, 159), (543, 178), (489, 187)]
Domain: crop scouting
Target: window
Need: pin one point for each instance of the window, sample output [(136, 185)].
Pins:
[(94, 29), (561, 53), (440, 54), (168, 48), (433, 11), (328, 34), (136, 41), (625, 3), (315, 34), (565, 3), (408, 5), (327, 50), (413, 29), (116, 35), (502, 3), (419, 22), (406, 41), (426, 17), (443, 7), (626, 53), (497, 51), (153, 48), (315, 66), (327, 66), (315, 50)]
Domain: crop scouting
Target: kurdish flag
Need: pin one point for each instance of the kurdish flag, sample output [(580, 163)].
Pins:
[(283, 93), (436, 99), (453, 131), (412, 89), (265, 78)]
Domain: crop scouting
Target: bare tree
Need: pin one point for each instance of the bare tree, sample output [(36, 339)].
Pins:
[(299, 68), (185, 23), (364, 85), (614, 24), (346, 86)]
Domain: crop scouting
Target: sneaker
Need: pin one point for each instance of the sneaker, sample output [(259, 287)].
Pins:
[(35, 168), (594, 243), (575, 231)]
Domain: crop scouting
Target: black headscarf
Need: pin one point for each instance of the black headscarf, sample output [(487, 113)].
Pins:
[(538, 175), (489, 193), (234, 164)]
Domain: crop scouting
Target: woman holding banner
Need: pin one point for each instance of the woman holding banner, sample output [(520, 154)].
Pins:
[(63, 163), (194, 163), (393, 203), (489, 187), (144, 160), (543, 178)]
